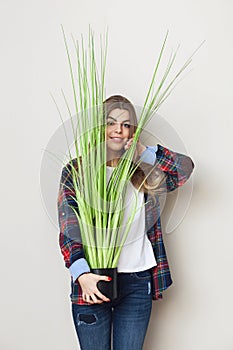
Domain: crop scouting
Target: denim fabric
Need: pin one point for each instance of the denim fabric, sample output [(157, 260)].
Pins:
[(126, 318)]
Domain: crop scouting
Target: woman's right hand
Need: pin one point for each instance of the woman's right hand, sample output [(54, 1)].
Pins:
[(90, 292)]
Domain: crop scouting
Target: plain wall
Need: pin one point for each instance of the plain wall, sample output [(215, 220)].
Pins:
[(196, 312)]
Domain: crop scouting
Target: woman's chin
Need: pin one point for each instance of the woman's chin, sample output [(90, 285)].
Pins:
[(115, 146), (115, 150)]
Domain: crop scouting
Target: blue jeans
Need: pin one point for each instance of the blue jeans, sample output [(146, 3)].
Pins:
[(126, 318)]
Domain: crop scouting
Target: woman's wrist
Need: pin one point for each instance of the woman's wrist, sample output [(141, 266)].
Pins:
[(141, 149), (82, 274)]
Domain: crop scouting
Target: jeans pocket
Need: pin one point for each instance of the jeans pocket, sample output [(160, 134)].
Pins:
[(143, 275)]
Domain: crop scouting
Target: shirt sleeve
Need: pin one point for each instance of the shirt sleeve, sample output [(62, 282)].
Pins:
[(149, 155), (176, 166), (79, 267), (70, 237)]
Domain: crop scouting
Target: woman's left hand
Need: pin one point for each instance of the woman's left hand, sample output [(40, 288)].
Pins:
[(140, 148)]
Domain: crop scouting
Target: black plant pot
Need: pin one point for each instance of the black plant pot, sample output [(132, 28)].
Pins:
[(108, 288)]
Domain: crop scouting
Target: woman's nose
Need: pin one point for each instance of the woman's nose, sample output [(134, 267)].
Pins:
[(118, 127)]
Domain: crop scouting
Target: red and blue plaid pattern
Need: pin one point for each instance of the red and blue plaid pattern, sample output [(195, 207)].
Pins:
[(177, 168)]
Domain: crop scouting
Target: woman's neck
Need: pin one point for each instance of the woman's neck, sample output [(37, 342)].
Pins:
[(113, 157)]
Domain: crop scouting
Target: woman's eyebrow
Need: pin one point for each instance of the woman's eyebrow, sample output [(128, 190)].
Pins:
[(127, 120)]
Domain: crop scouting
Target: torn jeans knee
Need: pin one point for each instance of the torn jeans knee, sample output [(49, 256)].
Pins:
[(86, 319)]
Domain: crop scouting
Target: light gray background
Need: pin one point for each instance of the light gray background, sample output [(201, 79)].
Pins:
[(196, 312)]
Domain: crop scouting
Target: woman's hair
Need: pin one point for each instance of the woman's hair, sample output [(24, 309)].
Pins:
[(146, 177)]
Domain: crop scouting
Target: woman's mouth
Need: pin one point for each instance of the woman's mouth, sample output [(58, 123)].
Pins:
[(117, 139)]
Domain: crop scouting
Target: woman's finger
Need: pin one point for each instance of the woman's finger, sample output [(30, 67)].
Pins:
[(128, 144), (98, 293), (88, 299), (102, 297), (95, 300), (104, 278)]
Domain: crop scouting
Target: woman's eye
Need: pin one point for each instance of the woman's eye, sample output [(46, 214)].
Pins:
[(113, 123), (110, 123)]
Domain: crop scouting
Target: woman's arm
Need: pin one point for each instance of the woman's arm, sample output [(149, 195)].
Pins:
[(70, 237), (177, 167), (70, 242)]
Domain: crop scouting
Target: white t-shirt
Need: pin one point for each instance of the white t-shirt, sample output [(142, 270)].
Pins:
[(137, 252)]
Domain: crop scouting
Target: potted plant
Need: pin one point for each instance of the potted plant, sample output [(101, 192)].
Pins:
[(99, 204)]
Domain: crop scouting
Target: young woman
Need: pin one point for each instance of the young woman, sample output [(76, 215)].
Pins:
[(143, 271)]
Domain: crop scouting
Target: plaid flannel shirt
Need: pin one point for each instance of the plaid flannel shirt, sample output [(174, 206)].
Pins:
[(177, 168)]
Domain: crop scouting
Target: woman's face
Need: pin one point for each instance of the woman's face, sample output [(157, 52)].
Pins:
[(117, 131)]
